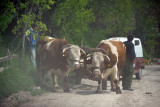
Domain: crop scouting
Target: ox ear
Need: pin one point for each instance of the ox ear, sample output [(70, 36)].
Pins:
[(106, 58)]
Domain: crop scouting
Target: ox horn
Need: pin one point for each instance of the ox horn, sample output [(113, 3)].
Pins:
[(86, 49), (89, 55), (66, 47), (98, 50), (106, 58), (82, 51)]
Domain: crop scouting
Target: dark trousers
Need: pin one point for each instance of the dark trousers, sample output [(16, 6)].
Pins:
[(127, 74)]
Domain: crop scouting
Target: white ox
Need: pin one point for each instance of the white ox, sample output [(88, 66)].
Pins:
[(110, 64)]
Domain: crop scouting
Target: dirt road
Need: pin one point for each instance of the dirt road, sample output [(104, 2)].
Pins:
[(146, 94)]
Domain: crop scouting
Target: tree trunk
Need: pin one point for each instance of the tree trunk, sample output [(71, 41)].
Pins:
[(23, 52), (92, 35), (23, 41)]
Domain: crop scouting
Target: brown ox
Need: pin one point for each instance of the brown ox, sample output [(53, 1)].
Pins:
[(109, 64), (55, 57)]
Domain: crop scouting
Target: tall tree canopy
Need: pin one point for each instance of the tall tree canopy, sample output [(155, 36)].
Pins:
[(81, 21)]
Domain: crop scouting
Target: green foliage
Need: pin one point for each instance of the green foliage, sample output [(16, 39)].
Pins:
[(89, 21), (6, 15), (3, 50), (72, 16), (26, 19), (149, 46), (38, 92), (34, 10), (14, 79), (84, 37), (145, 23), (116, 18)]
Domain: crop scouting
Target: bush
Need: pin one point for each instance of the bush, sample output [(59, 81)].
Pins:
[(15, 79)]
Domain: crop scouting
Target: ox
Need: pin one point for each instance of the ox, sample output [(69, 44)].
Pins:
[(55, 58), (109, 64)]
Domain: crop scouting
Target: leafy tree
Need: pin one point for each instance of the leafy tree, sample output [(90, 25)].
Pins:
[(113, 18), (109, 18), (32, 11), (6, 15), (72, 16), (145, 24)]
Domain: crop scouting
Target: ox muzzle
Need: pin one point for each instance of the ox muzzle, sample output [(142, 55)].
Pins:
[(96, 71), (75, 63)]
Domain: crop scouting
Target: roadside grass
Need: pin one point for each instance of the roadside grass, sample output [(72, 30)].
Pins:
[(38, 92), (15, 78)]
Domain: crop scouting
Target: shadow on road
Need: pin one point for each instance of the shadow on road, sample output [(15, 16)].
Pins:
[(91, 92), (87, 89)]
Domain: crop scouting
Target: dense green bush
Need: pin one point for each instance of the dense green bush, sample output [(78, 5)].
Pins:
[(15, 78)]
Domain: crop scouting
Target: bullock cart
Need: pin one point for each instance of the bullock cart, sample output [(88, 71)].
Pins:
[(107, 60)]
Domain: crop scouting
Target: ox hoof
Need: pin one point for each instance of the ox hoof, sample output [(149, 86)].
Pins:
[(66, 90), (104, 88), (56, 86), (113, 90), (98, 91), (118, 92)]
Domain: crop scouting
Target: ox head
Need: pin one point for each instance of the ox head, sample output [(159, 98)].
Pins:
[(73, 54), (98, 58)]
